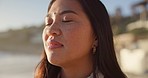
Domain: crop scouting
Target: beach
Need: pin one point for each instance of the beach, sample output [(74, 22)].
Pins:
[(17, 65)]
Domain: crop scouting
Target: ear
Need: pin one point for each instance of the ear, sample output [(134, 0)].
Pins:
[(95, 43)]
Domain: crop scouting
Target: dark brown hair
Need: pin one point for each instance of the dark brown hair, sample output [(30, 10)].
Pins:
[(104, 58)]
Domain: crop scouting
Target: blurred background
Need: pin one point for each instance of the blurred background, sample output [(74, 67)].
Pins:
[(22, 22)]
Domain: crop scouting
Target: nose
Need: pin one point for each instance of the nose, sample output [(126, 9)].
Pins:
[(53, 30)]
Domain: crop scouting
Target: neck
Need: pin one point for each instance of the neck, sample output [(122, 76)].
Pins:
[(81, 68)]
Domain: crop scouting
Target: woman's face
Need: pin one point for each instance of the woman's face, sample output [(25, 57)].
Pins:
[(67, 36)]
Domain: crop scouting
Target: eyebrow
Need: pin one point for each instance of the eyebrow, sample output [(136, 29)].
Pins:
[(68, 11), (64, 12)]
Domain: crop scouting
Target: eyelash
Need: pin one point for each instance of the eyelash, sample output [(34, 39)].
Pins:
[(63, 20), (66, 21), (48, 21)]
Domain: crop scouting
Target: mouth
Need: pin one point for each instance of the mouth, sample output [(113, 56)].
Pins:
[(52, 44)]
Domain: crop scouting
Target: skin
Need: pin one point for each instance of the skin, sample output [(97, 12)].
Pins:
[(67, 24)]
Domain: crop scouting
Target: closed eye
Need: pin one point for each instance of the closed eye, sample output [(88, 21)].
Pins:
[(48, 21), (67, 21)]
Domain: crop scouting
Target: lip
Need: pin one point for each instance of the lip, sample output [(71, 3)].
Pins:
[(52, 44)]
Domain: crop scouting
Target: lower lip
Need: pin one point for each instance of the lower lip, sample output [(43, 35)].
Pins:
[(55, 46)]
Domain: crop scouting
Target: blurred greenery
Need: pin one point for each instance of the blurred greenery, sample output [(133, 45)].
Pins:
[(20, 40), (140, 32)]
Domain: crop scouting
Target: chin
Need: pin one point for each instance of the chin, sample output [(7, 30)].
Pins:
[(56, 57), (55, 60)]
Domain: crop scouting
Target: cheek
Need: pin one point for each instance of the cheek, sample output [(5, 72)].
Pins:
[(44, 38), (44, 35), (79, 39)]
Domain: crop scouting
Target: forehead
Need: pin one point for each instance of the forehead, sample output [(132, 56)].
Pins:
[(61, 5)]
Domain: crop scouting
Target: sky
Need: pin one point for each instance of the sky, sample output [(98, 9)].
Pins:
[(15, 14)]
